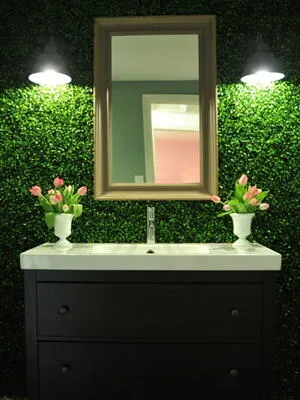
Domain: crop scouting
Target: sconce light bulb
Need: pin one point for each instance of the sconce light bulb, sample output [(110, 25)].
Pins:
[(49, 77), (262, 77)]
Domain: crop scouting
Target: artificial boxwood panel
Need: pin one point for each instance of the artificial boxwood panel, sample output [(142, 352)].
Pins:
[(45, 132)]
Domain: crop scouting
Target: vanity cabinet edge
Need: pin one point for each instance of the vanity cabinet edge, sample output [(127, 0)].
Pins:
[(30, 301)]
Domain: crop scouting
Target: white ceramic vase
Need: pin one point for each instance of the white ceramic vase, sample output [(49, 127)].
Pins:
[(242, 229), (62, 229)]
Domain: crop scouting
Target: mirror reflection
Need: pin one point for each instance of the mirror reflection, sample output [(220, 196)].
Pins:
[(155, 109)]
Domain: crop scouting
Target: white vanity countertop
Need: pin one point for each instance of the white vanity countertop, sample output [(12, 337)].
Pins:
[(166, 256)]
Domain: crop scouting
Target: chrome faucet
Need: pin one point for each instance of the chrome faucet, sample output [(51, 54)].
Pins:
[(150, 225)]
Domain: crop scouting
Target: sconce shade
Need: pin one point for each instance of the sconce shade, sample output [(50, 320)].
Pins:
[(49, 68), (262, 66)]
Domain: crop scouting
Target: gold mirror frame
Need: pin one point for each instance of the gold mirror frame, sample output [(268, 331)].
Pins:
[(104, 28)]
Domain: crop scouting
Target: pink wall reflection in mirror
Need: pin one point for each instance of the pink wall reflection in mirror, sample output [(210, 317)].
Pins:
[(176, 156)]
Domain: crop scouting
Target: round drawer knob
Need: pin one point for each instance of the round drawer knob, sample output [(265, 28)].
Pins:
[(234, 372), (65, 368), (235, 312), (63, 310)]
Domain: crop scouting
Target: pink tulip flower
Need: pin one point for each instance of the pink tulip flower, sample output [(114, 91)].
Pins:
[(226, 207), (36, 191), (58, 197), (82, 191), (53, 200), (247, 196), (58, 182), (254, 191), (264, 206), (243, 180), (215, 199), (254, 202), (51, 191), (65, 208)]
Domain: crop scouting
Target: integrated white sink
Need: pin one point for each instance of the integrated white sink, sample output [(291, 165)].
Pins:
[(158, 256), (156, 248)]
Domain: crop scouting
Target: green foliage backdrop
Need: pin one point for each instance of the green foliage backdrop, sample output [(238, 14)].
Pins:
[(45, 133)]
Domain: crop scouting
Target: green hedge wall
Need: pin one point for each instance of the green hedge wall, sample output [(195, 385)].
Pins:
[(46, 132)]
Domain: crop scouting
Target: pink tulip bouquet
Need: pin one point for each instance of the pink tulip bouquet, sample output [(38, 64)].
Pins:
[(246, 199), (59, 200)]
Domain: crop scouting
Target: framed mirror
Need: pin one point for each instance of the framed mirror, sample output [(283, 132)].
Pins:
[(155, 110)]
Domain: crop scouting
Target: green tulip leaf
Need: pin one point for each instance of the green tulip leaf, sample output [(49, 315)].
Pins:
[(50, 219), (77, 210)]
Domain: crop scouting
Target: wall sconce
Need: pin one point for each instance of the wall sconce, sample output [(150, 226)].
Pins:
[(49, 68), (262, 66)]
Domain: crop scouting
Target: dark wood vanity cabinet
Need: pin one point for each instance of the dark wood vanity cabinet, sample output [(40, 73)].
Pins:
[(110, 335)]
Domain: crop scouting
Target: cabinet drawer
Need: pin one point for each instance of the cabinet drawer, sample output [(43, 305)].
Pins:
[(146, 371), (116, 311)]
